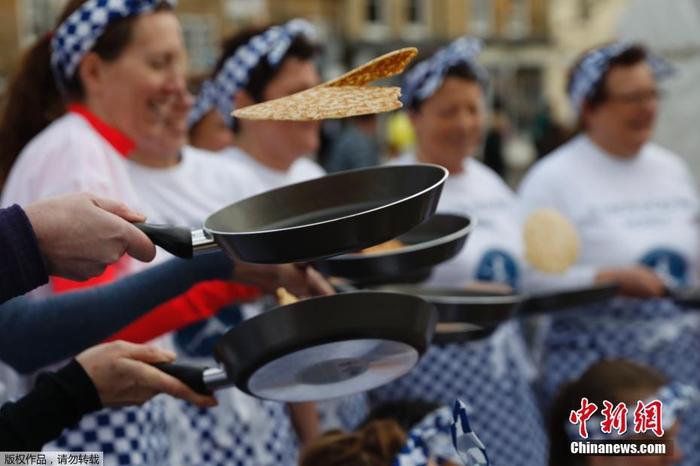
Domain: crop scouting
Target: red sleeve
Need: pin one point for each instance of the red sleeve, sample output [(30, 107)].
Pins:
[(63, 285), (200, 302)]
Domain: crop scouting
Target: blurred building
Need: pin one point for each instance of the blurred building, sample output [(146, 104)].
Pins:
[(529, 42)]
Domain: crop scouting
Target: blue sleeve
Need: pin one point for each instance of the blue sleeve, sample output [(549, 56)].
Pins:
[(21, 265), (36, 333)]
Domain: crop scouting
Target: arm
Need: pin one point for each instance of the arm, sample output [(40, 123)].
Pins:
[(58, 401), (305, 420), (61, 326), (110, 375), (206, 299), (21, 265)]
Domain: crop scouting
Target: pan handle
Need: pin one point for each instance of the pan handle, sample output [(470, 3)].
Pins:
[(175, 240), (192, 376)]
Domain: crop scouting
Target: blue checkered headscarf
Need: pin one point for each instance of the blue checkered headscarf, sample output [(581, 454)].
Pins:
[(77, 35), (424, 79), (218, 93), (591, 68), (443, 436)]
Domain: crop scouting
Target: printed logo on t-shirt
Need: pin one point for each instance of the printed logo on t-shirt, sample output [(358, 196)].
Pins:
[(498, 266), (197, 340), (669, 265)]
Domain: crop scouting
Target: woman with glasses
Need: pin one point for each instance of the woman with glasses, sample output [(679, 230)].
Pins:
[(635, 208)]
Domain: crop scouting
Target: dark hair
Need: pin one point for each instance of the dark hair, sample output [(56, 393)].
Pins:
[(405, 413), (261, 75), (615, 380), (460, 70), (375, 444), (598, 96), (32, 99)]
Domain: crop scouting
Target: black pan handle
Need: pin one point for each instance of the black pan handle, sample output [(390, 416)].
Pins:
[(175, 240), (192, 376)]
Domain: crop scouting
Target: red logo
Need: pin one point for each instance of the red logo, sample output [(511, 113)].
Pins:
[(647, 417), (614, 418), (581, 416)]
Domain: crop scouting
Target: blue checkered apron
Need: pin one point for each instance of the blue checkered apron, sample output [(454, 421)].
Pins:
[(493, 379), (229, 435), (655, 332), (241, 430), (127, 436)]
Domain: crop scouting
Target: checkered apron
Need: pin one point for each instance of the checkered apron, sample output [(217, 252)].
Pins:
[(655, 332), (241, 430), (493, 379), (127, 436)]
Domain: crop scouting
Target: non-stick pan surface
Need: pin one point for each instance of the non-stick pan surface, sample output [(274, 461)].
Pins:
[(320, 348), (319, 218), (437, 240)]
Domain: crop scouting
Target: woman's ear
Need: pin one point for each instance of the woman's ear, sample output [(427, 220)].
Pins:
[(91, 73)]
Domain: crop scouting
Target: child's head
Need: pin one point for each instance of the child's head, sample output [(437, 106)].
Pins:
[(614, 380), (383, 435), (375, 444)]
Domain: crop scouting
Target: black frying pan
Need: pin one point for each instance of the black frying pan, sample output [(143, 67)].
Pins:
[(485, 311), (319, 348), (437, 240), (331, 215)]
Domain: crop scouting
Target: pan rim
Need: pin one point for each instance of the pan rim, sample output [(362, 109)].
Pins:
[(454, 299), (358, 256), (445, 174)]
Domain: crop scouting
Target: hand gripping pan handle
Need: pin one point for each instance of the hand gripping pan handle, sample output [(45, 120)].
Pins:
[(178, 241), (203, 380)]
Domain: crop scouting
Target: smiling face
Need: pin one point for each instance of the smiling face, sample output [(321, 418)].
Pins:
[(449, 125), (144, 84), (624, 121)]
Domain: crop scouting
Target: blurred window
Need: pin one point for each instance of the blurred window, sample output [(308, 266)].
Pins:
[(480, 17), (375, 11), (518, 22)]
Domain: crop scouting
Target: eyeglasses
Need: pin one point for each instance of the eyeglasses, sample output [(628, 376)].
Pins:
[(637, 98)]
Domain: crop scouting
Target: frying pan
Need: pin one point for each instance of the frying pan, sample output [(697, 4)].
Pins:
[(319, 348), (485, 311), (437, 240), (318, 218)]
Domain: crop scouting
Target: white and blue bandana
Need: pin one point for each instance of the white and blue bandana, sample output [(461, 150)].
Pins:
[(592, 67), (424, 79), (218, 92), (443, 436), (77, 35)]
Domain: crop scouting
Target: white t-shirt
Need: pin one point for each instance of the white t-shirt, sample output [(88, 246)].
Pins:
[(642, 210), (494, 248), (266, 178), (187, 193), (68, 156)]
